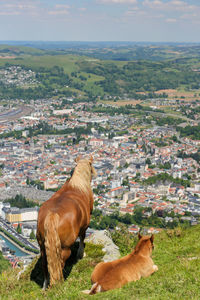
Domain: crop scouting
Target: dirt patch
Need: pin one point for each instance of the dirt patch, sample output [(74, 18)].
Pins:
[(188, 96), (7, 57), (124, 102)]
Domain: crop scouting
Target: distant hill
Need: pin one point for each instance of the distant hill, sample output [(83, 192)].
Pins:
[(121, 51), (11, 50), (177, 255)]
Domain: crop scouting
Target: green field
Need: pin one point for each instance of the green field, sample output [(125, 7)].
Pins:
[(68, 62)]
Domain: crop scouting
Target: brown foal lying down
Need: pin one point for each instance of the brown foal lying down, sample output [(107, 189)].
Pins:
[(111, 275)]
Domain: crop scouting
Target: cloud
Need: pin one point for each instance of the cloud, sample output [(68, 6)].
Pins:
[(171, 20), (172, 5), (13, 7), (172, 10), (9, 13), (58, 12), (62, 6), (119, 1), (82, 8)]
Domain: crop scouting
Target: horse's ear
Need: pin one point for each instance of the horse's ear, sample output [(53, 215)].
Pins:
[(91, 159), (152, 238), (139, 236), (94, 173), (78, 158)]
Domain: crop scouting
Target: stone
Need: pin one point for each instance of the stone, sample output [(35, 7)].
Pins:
[(103, 237)]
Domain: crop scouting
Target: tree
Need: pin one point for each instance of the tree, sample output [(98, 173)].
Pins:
[(127, 219), (138, 214), (19, 230), (148, 161), (32, 235), (96, 213)]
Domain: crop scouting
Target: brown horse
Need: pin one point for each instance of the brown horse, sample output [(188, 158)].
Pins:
[(111, 275), (64, 217)]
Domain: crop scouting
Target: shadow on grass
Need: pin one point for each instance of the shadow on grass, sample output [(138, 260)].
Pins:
[(37, 272)]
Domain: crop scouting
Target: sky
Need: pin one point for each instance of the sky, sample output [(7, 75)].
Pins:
[(100, 20)]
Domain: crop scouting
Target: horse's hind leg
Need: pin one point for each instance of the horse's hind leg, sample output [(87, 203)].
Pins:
[(81, 245), (45, 269), (65, 254)]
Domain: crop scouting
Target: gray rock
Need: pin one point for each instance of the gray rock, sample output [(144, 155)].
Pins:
[(102, 237)]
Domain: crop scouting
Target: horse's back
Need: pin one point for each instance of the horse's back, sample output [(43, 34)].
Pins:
[(73, 215)]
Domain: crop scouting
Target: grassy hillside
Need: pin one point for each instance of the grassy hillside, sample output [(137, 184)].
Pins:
[(4, 264), (177, 255), (19, 50)]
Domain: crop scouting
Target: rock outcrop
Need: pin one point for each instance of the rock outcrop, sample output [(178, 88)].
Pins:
[(102, 237)]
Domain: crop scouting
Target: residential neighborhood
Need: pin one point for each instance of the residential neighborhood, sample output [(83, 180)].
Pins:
[(125, 156)]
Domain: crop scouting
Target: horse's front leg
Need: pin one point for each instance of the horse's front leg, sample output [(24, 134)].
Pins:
[(80, 252), (150, 270)]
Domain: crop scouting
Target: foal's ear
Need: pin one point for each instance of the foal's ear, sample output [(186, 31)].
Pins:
[(139, 236), (152, 238), (78, 158)]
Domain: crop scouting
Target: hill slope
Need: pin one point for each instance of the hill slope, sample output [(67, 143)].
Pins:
[(177, 255)]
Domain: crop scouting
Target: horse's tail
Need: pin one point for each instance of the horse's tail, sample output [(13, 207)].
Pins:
[(53, 247)]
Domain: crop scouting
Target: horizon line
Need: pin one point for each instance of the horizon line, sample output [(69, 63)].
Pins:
[(98, 41)]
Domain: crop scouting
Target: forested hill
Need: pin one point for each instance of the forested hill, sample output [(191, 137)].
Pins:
[(176, 254), (67, 73)]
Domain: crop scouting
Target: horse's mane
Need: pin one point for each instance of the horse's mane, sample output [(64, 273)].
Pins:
[(81, 177)]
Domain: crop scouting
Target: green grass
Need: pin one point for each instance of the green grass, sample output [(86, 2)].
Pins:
[(18, 50), (68, 62), (4, 264), (177, 255)]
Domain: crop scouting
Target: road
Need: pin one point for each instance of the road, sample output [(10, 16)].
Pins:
[(13, 114), (18, 236)]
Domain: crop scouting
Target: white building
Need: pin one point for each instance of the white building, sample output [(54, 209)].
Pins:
[(63, 112), (29, 214)]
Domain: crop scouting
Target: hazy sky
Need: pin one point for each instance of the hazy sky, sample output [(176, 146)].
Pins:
[(100, 20)]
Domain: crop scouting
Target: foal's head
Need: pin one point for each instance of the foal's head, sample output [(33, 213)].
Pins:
[(145, 244)]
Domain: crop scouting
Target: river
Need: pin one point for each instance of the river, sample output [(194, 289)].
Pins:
[(18, 252)]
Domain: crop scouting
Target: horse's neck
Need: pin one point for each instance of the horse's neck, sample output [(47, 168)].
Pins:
[(80, 182)]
